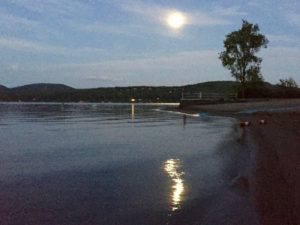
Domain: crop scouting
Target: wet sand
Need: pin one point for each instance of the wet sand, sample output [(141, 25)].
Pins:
[(275, 178), (232, 108), (277, 171)]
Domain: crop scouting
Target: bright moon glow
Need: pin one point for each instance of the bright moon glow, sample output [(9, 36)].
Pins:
[(176, 20)]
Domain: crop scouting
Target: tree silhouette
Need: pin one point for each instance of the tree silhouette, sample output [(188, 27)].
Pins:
[(239, 54), (288, 83)]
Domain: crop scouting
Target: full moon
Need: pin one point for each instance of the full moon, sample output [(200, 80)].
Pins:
[(176, 20)]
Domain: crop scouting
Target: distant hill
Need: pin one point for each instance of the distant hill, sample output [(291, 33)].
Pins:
[(63, 93), (41, 91), (213, 86), (42, 88), (36, 92), (3, 89), (5, 94)]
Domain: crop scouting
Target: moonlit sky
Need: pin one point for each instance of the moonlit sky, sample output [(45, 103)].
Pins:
[(93, 43)]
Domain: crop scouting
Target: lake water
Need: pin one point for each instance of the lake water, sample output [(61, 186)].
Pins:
[(112, 164)]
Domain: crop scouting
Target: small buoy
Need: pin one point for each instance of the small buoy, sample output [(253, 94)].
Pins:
[(262, 122), (245, 124)]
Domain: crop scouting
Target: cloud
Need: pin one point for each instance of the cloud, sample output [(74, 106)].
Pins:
[(174, 69), (102, 78), (9, 20), (283, 39), (150, 18), (20, 26), (100, 28), (131, 30), (24, 45), (49, 17), (182, 68), (230, 11), (254, 3), (158, 13), (91, 50), (281, 62), (53, 7), (293, 18), (156, 63), (37, 47), (11, 68), (74, 15), (201, 19), (169, 69)]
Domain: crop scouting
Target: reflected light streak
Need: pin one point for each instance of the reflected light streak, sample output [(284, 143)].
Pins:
[(172, 167), (132, 111)]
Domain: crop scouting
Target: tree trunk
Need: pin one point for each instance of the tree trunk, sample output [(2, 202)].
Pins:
[(243, 82), (243, 90)]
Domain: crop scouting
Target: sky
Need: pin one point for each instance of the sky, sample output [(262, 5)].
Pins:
[(96, 43)]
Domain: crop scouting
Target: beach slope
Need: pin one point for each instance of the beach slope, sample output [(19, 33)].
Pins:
[(275, 179)]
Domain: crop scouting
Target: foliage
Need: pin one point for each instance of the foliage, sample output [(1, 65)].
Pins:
[(239, 55), (288, 83), (288, 88)]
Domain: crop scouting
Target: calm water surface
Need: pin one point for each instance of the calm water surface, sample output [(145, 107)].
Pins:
[(107, 164)]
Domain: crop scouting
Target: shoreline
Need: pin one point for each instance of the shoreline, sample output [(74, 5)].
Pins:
[(231, 202), (275, 177), (277, 172)]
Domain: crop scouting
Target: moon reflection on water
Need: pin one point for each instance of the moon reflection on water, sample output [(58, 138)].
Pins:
[(173, 168)]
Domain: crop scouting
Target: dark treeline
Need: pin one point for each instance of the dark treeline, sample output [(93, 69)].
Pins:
[(63, 93)]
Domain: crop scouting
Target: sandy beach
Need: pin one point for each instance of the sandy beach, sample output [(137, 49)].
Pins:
[(277, 171), (275, 177)]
